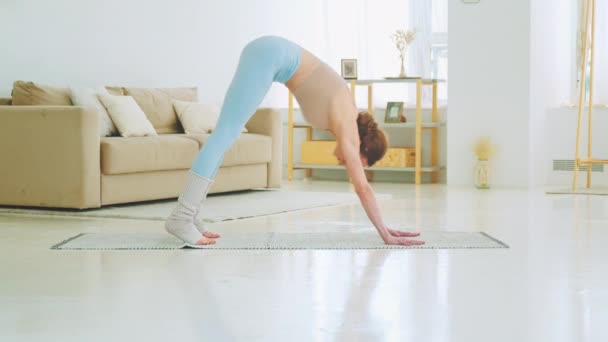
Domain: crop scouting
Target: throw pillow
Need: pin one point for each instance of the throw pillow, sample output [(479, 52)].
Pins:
[(197, 117), (34, 94), (156, 103), (87, 97), (127, 116)]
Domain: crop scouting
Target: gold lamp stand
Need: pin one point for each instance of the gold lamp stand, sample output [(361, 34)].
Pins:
[(588, 46)]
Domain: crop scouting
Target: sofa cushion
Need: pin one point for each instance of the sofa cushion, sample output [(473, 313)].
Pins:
[(160, 153), (195, 117), (118, 91), (198, 117), (34, 94), (249, 148), (156, 103), (129, 119)]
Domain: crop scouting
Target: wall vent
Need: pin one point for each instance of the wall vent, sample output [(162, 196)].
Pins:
[(568, 165)]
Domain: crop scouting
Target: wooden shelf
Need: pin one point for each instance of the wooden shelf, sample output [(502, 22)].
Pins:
[(373, 168), (413, 125), (415, 122), (592, 162), (396, 80)]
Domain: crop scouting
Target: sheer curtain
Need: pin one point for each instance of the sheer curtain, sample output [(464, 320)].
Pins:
[(428, 57), (600, 93), (361, 29)]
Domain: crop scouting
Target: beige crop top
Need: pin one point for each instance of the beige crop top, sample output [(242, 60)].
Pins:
[(316, 93)]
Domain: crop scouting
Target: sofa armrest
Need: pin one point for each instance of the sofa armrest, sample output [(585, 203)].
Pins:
[(267, 121), (49, 156)]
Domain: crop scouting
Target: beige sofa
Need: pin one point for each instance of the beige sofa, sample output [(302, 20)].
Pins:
[(53, 155)]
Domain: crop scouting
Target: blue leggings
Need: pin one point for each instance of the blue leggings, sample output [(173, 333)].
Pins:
[(263, 61)]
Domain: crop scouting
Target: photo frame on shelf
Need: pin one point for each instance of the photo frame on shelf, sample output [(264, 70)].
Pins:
[(394, 112), (349, 69)]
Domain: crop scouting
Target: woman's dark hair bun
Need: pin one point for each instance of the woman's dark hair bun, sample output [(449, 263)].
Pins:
[(373, 140), (366, 124)]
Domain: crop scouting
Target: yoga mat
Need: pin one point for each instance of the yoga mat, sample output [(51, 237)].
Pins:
[(278, 241)]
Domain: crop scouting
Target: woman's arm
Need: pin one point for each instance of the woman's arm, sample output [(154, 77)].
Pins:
[(352, 162)]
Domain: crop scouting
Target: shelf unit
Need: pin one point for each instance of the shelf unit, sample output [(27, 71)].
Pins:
[(420, 126)]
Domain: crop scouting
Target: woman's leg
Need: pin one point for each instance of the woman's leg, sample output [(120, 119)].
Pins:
[(251, 82)]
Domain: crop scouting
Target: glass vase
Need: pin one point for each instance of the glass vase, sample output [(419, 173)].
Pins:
[(402, 72), (482, 174)]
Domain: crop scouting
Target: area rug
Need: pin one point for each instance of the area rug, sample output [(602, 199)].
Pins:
[(277, 241), (217, 208)]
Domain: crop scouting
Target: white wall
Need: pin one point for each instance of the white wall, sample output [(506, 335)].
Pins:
[(166, 43), (510, 61), (559, 144), (553, 83), (552, 59), (161, 43), (144, 43), (511, 75), (489, 89)]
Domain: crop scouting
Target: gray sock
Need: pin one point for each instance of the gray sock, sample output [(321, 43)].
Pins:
[(198, 217), (181, 221)]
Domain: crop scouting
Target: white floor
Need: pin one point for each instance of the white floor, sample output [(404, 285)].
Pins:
[(551, 285)]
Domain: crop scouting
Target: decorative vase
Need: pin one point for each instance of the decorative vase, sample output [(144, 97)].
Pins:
[(482, 174), (402, 73)]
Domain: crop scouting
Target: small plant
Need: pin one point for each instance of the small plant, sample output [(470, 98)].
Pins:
[(484, 149), (402, 40)]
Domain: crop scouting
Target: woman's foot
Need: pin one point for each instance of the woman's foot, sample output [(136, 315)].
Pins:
[(187, 232), (198, 222), (181, 221)]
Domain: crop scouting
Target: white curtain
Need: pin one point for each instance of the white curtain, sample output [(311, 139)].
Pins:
[(361, 29), (600, 93), (428, 55), (421, 15)]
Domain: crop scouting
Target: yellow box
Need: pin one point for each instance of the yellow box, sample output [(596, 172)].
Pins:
[(319, 152), (398, 157)]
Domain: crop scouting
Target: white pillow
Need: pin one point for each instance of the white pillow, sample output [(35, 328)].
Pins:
[(197, 117), (130, 120), (87, 97)]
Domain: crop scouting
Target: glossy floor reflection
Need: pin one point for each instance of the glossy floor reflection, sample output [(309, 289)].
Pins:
[(551, 285)]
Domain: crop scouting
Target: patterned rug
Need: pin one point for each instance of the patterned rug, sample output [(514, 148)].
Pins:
[(217, 208)]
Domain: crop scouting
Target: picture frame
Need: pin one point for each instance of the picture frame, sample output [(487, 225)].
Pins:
[(394, 112), (349, 69)]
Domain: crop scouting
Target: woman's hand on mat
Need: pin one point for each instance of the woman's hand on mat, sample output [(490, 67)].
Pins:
[(392, 240), (211, 235), (205, 241), (399, 233)]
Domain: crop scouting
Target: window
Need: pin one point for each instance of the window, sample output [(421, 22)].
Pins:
[(361, 29), (439, 44), (600, 91)]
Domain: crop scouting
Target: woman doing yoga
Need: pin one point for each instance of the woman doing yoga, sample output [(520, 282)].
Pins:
[(326, 103)]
